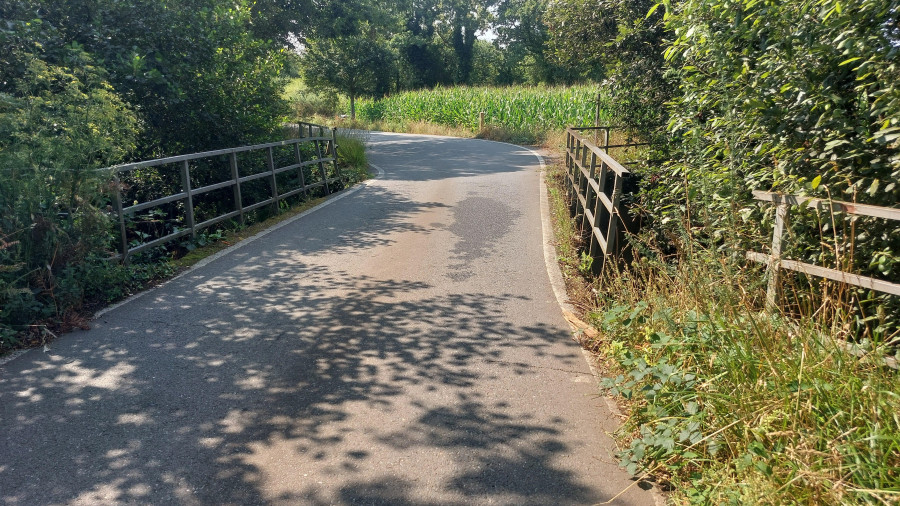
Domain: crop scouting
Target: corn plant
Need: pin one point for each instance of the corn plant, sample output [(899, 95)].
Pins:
[(515, 108)]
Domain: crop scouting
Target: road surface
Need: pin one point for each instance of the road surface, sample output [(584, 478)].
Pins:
[(401, 345)]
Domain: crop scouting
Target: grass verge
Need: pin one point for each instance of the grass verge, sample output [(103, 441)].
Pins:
[(726, 403)]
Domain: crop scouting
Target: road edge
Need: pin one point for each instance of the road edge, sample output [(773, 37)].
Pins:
[(334, 197), (557, 282)]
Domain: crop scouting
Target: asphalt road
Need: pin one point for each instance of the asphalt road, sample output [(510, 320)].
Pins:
[(401, 345)]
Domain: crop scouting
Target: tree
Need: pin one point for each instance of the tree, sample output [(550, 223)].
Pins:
[(424, 59), (615, 40), (465, 18), (352, 65), (523, 35), (193, 71)]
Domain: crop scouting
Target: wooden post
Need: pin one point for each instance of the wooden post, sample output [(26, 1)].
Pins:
[(773, 270), (117, 199), (481, 122), (613, 231), (590, 204), (189, 203), (235, 176), (568, 165), (572, 180), (270, 161), (597, 119)]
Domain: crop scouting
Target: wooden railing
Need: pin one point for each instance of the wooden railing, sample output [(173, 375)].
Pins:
[(322, 141), (775, 261), (594, 190)]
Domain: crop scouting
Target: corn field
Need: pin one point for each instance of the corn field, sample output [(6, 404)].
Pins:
[(516, 108)]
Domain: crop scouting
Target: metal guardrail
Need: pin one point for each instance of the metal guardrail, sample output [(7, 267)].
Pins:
[(324, 143), (775, 262), (588, 168)]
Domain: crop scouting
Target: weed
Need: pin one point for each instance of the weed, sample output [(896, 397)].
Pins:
[(727, 403)]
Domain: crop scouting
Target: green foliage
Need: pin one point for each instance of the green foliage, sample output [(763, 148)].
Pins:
[(781, 94), (357, 66), (735, 405), (422, 60), (523, 35), (352, 155), (533, 110), (738, 407), (307, 103), (797, 97), (193, 71), (58, 125), (618, 41)]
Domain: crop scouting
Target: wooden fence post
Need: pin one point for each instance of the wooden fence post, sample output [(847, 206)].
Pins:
[(597, 119), (612, 233), (481, 122), (774, 267), (590, 202), (318, 144), (334, 153), (300, 168)]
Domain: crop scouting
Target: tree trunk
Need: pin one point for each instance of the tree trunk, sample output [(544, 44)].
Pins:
[(352, 106)]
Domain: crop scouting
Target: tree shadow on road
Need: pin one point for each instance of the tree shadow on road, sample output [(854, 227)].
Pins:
[(268, 377), (187, 409)]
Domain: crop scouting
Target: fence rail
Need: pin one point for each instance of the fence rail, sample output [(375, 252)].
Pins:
[(324, 146), (591, 195), (775, 261)]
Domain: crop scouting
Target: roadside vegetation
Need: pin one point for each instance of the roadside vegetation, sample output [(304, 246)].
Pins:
[(86, 85), (523, 114), (725, 402)]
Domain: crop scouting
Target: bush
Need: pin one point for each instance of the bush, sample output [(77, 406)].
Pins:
[(733, 406), (797, 97), (60, 126), (306, 104)]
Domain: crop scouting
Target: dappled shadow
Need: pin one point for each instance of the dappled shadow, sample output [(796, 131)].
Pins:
[(281, 374), (242, 367), (376, 218)]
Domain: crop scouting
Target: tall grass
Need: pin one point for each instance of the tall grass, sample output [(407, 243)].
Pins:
[(730, 404), (529, 110), (351, 147)]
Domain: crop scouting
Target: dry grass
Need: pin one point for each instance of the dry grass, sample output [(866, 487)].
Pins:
[(725, 402)]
